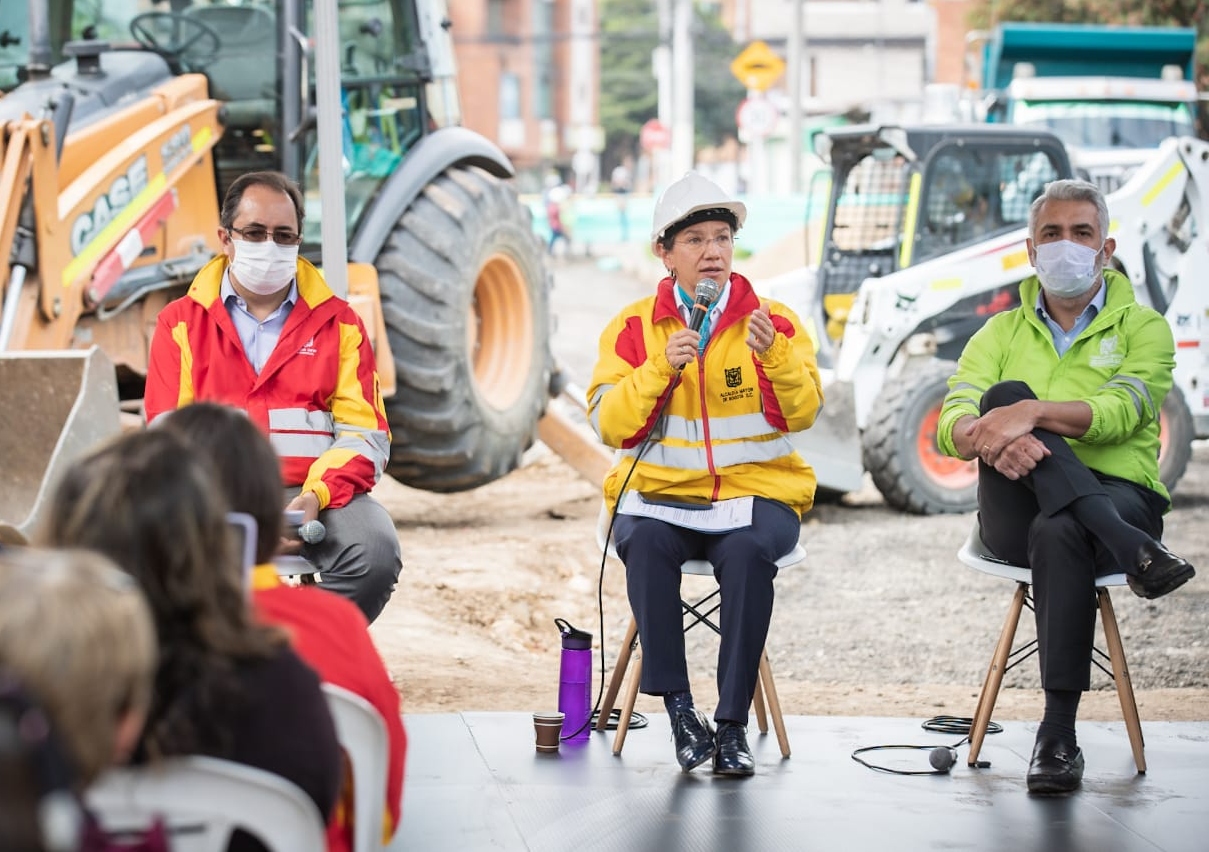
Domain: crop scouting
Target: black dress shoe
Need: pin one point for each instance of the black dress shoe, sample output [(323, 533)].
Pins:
[(1056, 767), (694, 738), (733, 756), (1159, 571)]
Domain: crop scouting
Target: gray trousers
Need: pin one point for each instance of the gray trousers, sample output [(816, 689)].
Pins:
[(359, 557)]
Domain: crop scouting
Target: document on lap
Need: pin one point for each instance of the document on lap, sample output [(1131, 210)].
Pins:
[(707, 517)]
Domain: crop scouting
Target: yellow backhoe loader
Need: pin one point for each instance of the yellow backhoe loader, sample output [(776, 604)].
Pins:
[(123, 122)]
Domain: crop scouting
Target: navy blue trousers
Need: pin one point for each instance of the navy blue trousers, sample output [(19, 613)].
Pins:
[(744, 563), (1027, 522)]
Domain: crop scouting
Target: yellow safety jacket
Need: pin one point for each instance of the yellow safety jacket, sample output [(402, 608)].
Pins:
[(723, 431)]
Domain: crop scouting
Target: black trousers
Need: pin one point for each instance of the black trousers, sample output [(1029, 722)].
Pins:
[(1027, 522), (744, 563)]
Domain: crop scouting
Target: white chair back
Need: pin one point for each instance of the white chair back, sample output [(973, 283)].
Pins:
[(362, 734), (202, 800)]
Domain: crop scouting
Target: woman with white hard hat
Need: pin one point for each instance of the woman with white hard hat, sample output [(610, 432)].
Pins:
[(698, 387)]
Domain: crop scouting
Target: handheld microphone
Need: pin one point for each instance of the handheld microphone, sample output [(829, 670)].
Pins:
[(707, 293), (312, 532)]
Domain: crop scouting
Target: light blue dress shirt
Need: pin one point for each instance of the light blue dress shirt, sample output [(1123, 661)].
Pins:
[(1063, 339), (259, 338)]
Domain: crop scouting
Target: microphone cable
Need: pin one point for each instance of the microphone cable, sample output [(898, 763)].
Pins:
[(942, 758), (637, 720)]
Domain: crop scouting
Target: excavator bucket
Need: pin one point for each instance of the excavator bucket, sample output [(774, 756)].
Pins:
[(54, 406)]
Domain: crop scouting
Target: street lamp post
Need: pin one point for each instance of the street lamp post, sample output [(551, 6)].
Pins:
[(682, 87)]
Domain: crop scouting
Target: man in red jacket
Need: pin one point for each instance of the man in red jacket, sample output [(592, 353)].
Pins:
[(260, 330)]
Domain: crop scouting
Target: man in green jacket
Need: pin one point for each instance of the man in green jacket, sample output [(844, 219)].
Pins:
[(1059, 401)]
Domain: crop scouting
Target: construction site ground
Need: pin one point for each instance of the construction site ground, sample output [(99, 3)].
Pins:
[(881, 619)]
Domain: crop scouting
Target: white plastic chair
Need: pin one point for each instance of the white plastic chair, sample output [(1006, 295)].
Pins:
[(976, 555), (766, 688), (362, 734), (202, 800)]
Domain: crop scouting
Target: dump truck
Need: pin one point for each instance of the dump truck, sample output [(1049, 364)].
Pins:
[(919, 237), (1112, 93), (124, 123)]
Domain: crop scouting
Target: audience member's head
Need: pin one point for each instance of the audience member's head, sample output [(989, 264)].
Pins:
[(77, 635), (243, 462), (77, 656), (146, 501)]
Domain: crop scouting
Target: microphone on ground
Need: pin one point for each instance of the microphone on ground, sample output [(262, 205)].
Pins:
[(942, 758)]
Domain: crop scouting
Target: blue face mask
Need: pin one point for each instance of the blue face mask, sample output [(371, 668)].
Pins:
[(1067, 269)]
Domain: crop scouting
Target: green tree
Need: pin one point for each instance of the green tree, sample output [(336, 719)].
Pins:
[(629, 31), (1180, 13)]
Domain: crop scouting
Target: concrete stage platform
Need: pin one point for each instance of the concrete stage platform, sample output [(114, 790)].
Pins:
[(474, 782)]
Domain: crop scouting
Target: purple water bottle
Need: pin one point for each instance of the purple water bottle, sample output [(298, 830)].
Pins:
[(575, 682)]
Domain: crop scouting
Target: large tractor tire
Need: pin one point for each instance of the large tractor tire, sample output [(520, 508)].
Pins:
[(899, 447), (466, 300), (1176, 431)]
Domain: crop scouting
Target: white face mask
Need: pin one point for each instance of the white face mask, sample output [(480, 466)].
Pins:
[(264, 268), (1067, 269)]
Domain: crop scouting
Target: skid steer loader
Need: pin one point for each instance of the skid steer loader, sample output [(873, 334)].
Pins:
[(124, 121), (918, 237)]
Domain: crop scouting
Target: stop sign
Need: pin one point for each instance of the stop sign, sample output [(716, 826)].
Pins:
[(654, 134)]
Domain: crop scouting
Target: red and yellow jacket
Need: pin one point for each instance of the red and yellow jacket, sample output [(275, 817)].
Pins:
[(724, 430), (317, 397), (331, 636)]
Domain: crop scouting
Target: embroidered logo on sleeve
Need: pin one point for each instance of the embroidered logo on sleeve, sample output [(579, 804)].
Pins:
[(1108, 356)]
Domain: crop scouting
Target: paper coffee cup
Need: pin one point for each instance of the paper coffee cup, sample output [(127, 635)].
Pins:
[(548, 727)]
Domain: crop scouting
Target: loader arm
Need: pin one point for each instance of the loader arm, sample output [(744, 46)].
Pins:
[(17, 159), (100, 216)]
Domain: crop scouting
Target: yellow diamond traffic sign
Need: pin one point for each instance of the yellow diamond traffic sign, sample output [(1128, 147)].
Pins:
[(758, 66)]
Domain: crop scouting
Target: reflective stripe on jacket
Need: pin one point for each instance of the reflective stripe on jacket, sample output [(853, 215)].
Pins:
[(724, 429), (317, 397), (1121, 366)]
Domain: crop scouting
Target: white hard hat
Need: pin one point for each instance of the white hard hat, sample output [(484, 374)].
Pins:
[(693, 193)]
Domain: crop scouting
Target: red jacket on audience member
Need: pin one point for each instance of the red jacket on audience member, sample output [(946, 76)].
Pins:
[(331, 635)]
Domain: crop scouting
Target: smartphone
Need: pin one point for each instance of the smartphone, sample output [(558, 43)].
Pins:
[(692, 503), (244, 531)]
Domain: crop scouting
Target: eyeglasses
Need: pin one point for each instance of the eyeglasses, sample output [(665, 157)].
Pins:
[(257, 234), (724, 242)]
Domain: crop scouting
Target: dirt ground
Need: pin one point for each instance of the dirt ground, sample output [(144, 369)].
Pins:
[(880, 621)]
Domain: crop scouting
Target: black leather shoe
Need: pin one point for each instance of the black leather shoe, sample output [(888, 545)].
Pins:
[(1056, 767), (694, 738), (1159, 571), (733, 756)]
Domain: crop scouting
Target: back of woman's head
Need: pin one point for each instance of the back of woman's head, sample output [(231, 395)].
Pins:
[(146, 501), (77, 634), (242, 461)]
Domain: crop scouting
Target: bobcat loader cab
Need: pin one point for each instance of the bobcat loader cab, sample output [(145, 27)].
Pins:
[(917, 237), (123, 123)]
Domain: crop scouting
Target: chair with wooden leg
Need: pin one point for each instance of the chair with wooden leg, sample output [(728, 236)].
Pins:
[(975, 554), (765, 703)]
